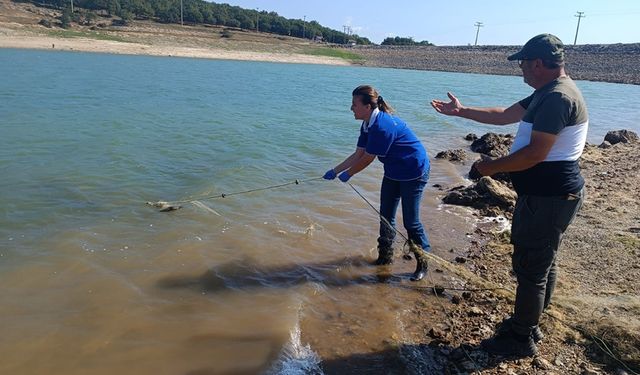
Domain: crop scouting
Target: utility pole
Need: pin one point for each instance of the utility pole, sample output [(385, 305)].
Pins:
[(346, 30), (478, 25), (304, 21), (579, 15), (181, 13), (71, 6)]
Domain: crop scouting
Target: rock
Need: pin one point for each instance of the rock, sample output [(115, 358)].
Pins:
[(466, 295), (436, 333), (605, 145), (461, 259), (462, 197), (493, 144), (624, 136), (470, 137), (452, 155), (456, 299), (541, 363), (475, 311), (45, 23), (475, 175), (498, 191)]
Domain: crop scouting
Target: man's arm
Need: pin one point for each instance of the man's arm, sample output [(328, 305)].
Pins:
[(493, 115), (535, 152)]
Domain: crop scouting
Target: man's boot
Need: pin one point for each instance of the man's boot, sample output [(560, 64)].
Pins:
[(385, 256), (422, 267), (508, 343), (536, 332)]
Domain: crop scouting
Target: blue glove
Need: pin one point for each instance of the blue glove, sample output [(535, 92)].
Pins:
[(330, 175), (344, 176)]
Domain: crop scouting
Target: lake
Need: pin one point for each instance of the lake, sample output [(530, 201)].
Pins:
[(94, 281)]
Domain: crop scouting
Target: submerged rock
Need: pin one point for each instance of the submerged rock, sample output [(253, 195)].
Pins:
[(452, 155)]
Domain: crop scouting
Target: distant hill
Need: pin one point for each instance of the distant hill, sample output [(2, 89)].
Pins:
[(616, 63), (202, 12)]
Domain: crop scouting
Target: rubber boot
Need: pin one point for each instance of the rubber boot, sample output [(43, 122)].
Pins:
[(385, 256), (421, 268)]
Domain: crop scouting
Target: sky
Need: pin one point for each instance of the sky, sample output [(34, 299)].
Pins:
[(453, 22)]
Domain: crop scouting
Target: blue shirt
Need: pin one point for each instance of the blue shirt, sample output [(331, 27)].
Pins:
[(396, 146)]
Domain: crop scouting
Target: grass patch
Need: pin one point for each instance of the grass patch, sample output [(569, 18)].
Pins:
[(630, 242), (616, 339), (334, 52), (84, 34)]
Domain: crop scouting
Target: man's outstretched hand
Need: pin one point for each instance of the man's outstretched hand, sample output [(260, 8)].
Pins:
[(451, 108)]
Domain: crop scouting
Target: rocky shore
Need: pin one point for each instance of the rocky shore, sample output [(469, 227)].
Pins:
[(592, 326), (616, 63)]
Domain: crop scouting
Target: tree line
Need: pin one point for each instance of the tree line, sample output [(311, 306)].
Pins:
[(400, 41), (202, 12)]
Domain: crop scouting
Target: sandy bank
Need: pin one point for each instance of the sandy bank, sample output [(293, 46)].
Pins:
[(115, 47)]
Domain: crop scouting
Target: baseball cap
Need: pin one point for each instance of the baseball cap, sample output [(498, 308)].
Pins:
[(543, 46)]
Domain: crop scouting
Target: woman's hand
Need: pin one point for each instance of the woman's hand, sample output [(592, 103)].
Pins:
[(344, 176), (330, 175)]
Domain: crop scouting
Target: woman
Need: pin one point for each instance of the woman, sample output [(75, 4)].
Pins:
[(406, 171)]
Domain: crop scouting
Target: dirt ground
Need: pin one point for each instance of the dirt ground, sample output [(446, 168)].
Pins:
[(593, 324), (20, 28)]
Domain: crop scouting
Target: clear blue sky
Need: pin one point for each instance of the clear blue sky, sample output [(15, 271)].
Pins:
[(452, 22)]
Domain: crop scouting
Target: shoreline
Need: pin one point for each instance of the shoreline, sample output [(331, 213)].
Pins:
[(139, 49), (491, 60)]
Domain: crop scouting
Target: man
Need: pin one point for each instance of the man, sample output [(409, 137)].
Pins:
[(543, 165)]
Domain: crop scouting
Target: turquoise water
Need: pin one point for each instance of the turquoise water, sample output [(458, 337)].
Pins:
[(87, 139)]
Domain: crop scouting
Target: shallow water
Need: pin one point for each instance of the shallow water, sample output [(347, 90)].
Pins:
[(96, 282)]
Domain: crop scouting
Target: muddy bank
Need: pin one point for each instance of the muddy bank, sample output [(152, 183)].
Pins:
[(616, 63)]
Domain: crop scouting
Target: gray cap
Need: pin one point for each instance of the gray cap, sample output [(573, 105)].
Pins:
[(543, 46)]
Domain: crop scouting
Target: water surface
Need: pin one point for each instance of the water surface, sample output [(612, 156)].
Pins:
[(96, 282)]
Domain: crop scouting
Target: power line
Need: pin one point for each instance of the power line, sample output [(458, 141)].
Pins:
[(478, 25), (580, 15)]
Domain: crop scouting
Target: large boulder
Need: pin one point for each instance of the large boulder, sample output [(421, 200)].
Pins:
[(491, 197), (499, 191), (493, 144), (624, 136)]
